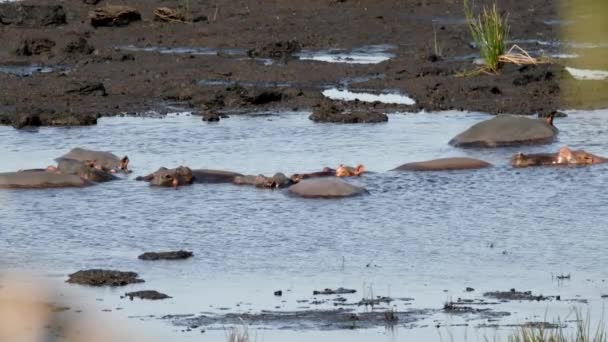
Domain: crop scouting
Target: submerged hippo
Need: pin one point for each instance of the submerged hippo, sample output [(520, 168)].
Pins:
[(341, 171), (349, 171), (86, 170), (564, 156), (99, 159), (507, 130), (325, 188), (279, 180), (183, 175), (445, 164), (40, 179)]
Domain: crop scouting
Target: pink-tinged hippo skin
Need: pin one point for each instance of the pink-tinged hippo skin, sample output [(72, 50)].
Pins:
[(445, 164), (508, 130), (99, 159), (332, 187), (40, 179), (183, 175), (564, 157), (349, 171)]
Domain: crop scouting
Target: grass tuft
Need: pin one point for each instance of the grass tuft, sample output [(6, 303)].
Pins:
[(552, 333), (490, 31), (238, 333)]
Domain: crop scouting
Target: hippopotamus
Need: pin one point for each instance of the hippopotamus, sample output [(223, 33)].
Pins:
[(445, 164), (279, 180), (67, 173), (331, 187), (183, 175), (41, 179), (341, 171), (84, 169), (349, 171), (508, 130), (565, 156), (99, 159)]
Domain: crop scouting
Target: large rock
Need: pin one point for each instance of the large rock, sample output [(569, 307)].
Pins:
[(39, 179), (507, 130), (34, 117), (114, 15), (31, 15), (99, 277), (34, 47), (174, 255), (326, 188), (445, 164)]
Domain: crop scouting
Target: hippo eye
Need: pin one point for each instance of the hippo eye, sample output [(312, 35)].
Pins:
[(169, 177)]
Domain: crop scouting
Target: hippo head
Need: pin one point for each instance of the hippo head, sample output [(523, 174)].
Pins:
[(95, 175), (578, 157), (347, 171), (121, 165), (171, 177)]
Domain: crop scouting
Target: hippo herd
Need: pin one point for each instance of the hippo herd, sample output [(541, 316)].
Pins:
[(81, 167)]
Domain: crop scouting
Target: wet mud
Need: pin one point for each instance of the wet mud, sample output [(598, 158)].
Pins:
[(99, 277), (250, 45)]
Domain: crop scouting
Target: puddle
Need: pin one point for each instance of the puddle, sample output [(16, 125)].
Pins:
[(372, 54), (257, 84), (200, 51), (30, 69), (557, 43), (347, 95), (586, 74)]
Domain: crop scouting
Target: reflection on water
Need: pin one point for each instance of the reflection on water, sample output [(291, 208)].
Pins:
[(421, 233)]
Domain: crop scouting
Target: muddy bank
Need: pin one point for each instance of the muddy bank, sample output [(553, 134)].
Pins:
[(261, 56)]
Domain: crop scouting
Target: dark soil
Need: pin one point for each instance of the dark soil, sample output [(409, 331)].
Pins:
[(98, 277), (176, 255), (116, 81)]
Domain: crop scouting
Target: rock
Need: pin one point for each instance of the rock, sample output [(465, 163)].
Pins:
[(148, 294), (34, 47), (280, 50), (35, 117), (31, 15), (91, 2), (445, 164), (507, 130), (79, 46), (114, 15), (331, 187), (278, 293), (99, 277), (330, 111), (169, 15), (211, 117), (176, 255), (86, 88), (340, 290), (469, 289)]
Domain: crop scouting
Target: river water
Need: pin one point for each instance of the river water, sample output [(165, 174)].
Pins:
[(421, 235)]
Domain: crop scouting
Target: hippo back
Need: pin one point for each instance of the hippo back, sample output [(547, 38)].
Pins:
[(214, 176), (506, 130), (40, 180), (106, 159), (325, 188), (445, 164)]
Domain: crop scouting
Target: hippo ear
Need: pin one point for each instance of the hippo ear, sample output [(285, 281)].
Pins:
[(360, 169)]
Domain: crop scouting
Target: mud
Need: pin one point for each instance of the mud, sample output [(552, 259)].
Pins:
[(515, 295), (307, 319), (147, 294), (99, 277), (147, 79), (174, 255)]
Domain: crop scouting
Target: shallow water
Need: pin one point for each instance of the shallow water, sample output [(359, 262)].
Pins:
[(420, 233)]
